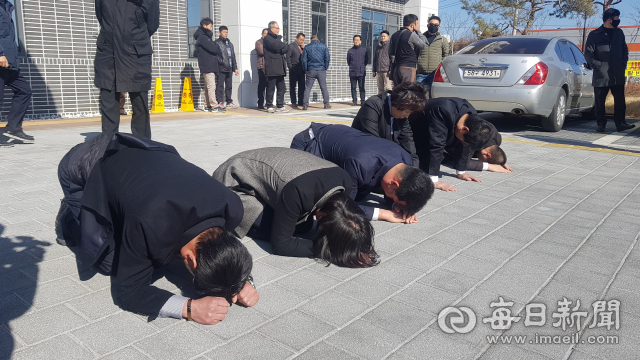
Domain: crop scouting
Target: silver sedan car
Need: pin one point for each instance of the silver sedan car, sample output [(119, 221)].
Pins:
[(521, 75)]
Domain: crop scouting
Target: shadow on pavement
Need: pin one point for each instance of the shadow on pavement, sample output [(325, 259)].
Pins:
[(16, 253)]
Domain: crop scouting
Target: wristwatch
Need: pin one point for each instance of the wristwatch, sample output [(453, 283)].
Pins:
[(250, 280)]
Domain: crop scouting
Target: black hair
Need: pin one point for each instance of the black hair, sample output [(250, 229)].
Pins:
[(610, 13), (479, 132), (409, 19), (223, 264), (265, 29), (384, 32), (344, 234), (498, 155), (416, 188), (301, 34), (357, 36), (206, 21), (409, 96), (223, 28), (434, 17)]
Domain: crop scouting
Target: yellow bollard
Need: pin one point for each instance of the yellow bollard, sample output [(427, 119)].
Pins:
[(158, 97), (187, 96)]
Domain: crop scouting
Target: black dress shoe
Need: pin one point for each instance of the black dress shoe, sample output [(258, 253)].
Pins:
[(354, 103), (624, 126), (600, 128), (305, 107), (327, 106)]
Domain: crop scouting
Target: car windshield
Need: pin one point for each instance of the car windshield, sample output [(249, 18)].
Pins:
[(524, 45)]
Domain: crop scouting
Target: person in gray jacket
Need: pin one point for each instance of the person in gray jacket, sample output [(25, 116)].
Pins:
[(381, 64), (282, 189)]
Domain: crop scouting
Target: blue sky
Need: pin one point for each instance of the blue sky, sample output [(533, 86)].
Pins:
[(453, 7)]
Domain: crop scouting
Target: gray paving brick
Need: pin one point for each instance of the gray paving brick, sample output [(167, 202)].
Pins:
[(365, 339), (95, 305), (449, 281), (393, 272), (367, 289), (275, 300), (61, 347), (419, 260), (470, 267), (426, 297), (179, 341), (323, 351), (333, 271), (58, 319), (401, 319), (579, 355), (508, 352), (52, 293), (438, 345), (539, 258), (128, 353), (12, 307), (123, 329), (296, 329), (334, 308), (239, 320), (251, 346), (24, 215), (516, 282), (307, 282), (284, 263), (53, 269)]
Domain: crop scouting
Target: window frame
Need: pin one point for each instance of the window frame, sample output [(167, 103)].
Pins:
[(18, 25), (372, 22), (190, 36), (326, 20), (286, 22)]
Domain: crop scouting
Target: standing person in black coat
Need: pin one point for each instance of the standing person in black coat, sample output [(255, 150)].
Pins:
[(275, 66), (123, 60), (451, 125), (207, 53), (296, 73), (381, 64), (137, 205), (357, 59), (262, 78), (227, 65), (10, 76), (385, 115), (607, 54), (404, 48)]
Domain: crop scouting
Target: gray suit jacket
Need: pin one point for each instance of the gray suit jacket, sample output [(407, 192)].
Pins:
[(259, 177)]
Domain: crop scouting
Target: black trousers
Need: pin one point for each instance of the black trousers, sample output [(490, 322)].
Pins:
[(21, 97), (360, 82), (224, 83), (262, 87), (273, 83), (619, 105), (296, 78), (110, 109)]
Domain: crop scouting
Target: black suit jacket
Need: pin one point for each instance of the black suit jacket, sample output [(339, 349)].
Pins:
[(434, 131), (374, 117)]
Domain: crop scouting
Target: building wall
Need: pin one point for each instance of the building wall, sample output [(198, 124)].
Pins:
[(60, 41)]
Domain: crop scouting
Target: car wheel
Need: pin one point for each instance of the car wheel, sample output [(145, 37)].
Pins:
[(555, 120)]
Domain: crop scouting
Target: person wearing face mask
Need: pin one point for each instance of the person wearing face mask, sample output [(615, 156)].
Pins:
[(385, 115), (607, 54), (436, 49)]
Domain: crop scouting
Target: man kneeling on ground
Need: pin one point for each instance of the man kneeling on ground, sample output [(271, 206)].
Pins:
[(282, 189), (490, 158), (374, 164), (133, 205)]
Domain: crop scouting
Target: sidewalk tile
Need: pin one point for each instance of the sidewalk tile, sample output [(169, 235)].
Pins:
[(123, 329), (250, 347), (43, 324), (61, 347), (365, 339), (295, 329)]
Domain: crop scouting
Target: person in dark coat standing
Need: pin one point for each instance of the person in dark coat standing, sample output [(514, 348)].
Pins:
[(10, 76), (374, 164), (385, 115), (262, 79), (405, 46), (123, 60), (315, 61), (357, 59), (607, 54), (228, 65), (207, 53), (451, 125), (275, 67), (296, 73), (140, 207), (381, 64)]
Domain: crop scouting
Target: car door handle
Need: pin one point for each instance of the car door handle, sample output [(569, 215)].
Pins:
[(569, 70)]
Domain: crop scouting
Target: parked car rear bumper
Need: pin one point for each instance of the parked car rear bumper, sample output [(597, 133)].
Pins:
[(531, 100)]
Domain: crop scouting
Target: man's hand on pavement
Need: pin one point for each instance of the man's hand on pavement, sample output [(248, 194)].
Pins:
[(208, 310), (248, 296), (498, 168), (507, 167), (393, 217), (441, 185), (468, 177)]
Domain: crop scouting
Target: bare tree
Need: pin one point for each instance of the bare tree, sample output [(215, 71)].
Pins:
[(519, 15), (455, 26)]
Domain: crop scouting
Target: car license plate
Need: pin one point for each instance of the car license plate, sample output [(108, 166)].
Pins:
[(486, 74)]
